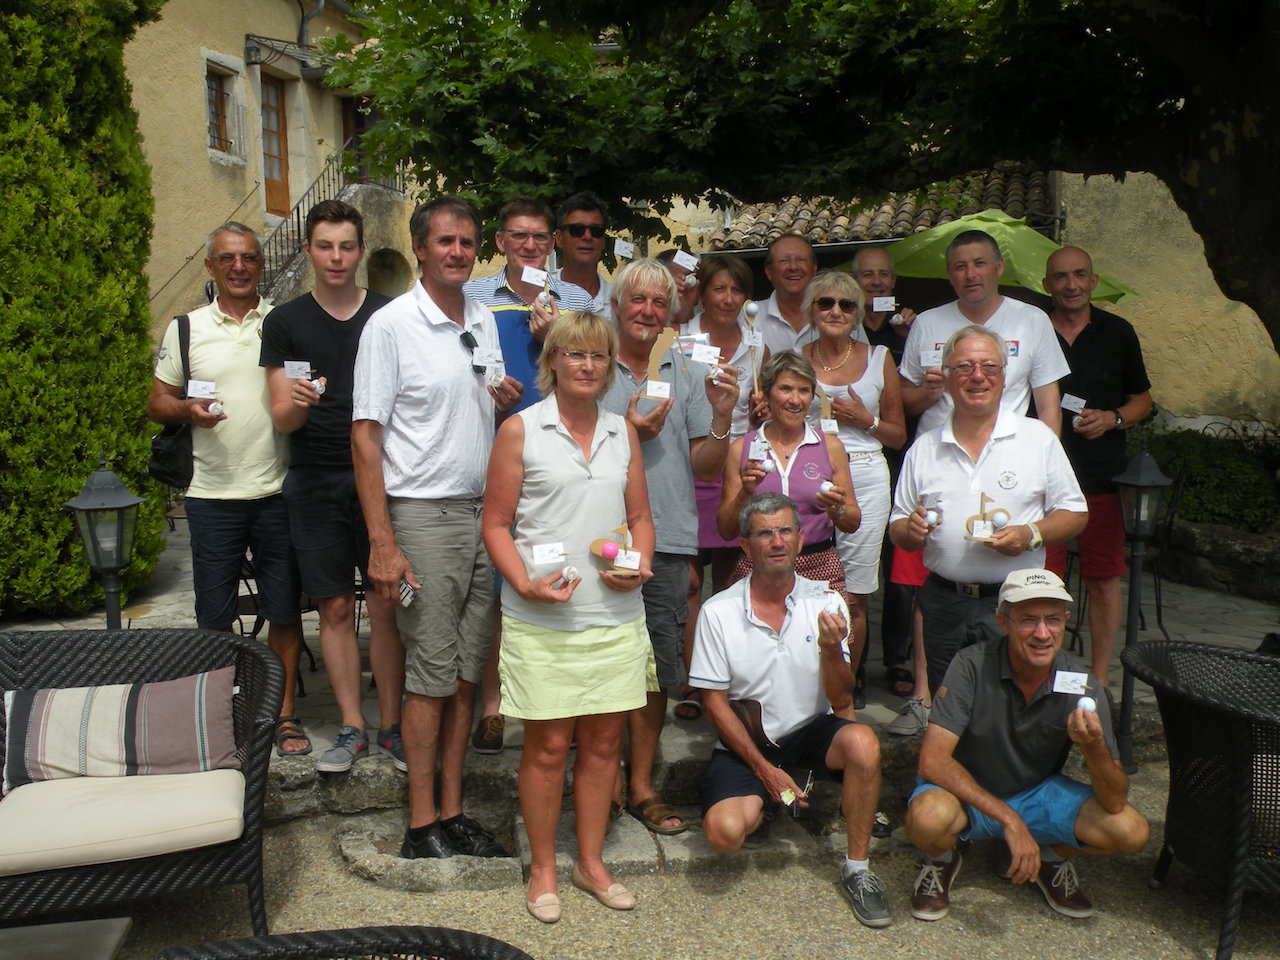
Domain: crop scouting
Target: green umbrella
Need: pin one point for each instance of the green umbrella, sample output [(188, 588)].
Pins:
[(1024, 249)]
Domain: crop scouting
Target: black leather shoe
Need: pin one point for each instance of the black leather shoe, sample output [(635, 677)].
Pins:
[(435, 845), (467, 837)]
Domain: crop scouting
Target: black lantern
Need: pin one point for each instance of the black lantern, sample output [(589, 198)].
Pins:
[(1141, 487), (106, 513)]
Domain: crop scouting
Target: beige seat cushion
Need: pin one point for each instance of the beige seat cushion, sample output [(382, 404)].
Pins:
[(83, 820)]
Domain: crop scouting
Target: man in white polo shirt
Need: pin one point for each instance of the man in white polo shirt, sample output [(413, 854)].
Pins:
[(981, 493), (790, 264), (772, 661), (234, 503), (423, 412), (1035, 363)]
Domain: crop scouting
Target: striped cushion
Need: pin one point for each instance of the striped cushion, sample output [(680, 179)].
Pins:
[(121, 730)]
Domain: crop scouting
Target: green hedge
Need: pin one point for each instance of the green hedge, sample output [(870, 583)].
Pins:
[(74, 322), (1230, 480)]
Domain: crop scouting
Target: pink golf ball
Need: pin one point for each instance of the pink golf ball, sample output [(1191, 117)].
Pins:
[(609, 551)]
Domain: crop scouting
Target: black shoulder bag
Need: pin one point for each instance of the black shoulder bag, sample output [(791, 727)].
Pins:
[(170, 461)]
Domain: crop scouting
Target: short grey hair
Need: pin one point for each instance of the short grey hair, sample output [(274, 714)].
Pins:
[(974, 330), (231, 226), (766, 503), (646, 274)]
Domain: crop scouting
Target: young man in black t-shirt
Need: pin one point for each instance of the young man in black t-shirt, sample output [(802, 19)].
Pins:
[(309, 350)]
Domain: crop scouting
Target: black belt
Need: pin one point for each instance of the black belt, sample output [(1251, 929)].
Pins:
[(982, 590), (809, 548)]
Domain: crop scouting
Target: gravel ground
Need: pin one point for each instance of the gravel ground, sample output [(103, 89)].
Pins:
[(793, 911)]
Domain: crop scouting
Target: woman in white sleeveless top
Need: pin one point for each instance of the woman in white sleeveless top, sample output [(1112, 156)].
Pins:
[(866, 404), (575, 653)]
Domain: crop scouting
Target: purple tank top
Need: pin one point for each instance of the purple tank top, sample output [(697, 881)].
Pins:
[(809, 468)]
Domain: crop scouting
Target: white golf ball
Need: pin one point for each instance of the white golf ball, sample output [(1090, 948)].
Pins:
[(544, 298), (751, 309), (768, 466), (897, 320), (320, 387), (1077, 420), (569, 574), (999, 519), (217, 409), (826, 487), (931, 517), (833, 606), (1087, 703), (691, 280)]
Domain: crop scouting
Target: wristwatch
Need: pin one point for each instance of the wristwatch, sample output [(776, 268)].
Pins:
[(1037, 541), (875, 423), (1119, 420)]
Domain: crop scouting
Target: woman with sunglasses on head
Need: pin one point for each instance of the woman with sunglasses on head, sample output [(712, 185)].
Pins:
[(787, 455), (575, 653), (866, 402)]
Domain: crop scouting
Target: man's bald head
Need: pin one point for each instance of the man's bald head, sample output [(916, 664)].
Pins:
[(1069, 279)]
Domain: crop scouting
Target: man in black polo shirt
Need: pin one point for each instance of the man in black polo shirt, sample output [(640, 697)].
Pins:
[(1106, 391), (1001, 728)]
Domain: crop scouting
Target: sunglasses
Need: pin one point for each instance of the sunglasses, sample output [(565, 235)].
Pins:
[(469, 341), (826, 303), (576, 230)]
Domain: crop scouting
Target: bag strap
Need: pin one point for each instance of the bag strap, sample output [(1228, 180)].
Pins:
[(184, 347)]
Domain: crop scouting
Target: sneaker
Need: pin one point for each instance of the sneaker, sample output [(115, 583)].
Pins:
[(931, 898), (1061, 888), (488, 736), (912, 718), (880, 828), (351, 744), (760, 835), (865, 894), (470, 839), (389, 742), (435, 845)]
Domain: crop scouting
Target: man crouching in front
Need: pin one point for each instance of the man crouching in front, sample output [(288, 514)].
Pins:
[(782, 709), (1001, 728)]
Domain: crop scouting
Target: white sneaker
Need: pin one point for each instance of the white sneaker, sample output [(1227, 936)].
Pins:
[(912, 718)]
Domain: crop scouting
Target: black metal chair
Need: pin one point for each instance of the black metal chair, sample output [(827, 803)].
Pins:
[(1221, 712), (75, 658), (373, 943)]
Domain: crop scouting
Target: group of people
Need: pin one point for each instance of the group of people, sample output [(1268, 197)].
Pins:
[(533, 471)]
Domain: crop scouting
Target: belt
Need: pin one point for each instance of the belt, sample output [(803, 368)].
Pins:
[(817, 547), (975, 590), (859, 455)]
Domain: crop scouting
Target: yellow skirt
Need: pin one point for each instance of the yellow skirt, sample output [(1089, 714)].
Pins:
[(553, 674)]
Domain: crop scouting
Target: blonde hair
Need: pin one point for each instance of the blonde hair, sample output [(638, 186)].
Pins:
[(835, 282), (576, 329)]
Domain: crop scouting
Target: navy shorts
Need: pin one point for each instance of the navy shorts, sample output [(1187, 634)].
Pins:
[(221, 532)]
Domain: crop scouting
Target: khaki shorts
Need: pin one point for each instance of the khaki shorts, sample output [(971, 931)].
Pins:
[(448, 629)]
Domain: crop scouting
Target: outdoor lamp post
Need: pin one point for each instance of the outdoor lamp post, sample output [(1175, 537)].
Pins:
[(1141, 487), (106, 514)]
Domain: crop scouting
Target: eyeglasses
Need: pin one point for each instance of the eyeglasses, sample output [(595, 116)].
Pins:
[(521, 237), (469, 341), (793, 261), (1054, 622), (965, 369), (576, 230), (826, 303), (248, 259), (579, 357), (766, 534)]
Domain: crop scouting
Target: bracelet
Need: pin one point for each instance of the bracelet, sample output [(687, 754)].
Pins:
[(711, 429), (875, 423)]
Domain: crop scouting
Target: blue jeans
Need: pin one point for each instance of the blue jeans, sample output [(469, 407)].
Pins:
[(221, 532)]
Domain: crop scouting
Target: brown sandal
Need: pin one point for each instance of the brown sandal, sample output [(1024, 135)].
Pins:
[(653, 812), (290, 728)]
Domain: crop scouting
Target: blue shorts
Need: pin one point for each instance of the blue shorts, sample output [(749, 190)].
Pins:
[(221, 531), (1049, 809)]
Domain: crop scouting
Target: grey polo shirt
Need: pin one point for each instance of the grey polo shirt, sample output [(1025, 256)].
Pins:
[(1007, 744), (666, 457)]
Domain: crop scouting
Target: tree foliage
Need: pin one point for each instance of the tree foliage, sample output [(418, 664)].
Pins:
[(74, 328), (767, 98)]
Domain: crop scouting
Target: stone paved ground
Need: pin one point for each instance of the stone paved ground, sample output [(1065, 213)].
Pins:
[(330, 856)]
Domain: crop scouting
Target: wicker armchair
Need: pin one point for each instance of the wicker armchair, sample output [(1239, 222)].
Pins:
[(1221, 712), (73, 658), (402, 943)]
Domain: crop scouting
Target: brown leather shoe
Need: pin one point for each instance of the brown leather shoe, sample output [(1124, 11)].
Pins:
[(1061, 888), (931, 898)]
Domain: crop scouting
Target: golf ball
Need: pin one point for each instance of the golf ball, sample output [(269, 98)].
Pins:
[(751, 309), (1087, 703), (609, 550), (691, 280), (544, 298), (1077, 420), (768, 466), (217, 409), (320, 387), (569, 574), (999, 519), (897, 320), (826, 487), (833, 606), (931, 517)]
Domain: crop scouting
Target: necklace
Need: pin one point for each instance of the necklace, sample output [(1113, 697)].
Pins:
[(786, 451), (584, 434), (848, 350)]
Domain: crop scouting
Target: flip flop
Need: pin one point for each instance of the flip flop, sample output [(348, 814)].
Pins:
[(653, 811), (900, 681), (290, 728), (690, 708)]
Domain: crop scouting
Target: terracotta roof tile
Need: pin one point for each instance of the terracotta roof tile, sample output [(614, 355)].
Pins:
[(1015, 188)]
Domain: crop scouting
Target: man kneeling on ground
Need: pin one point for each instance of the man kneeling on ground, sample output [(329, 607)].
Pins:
[(1001, 728), (781, 708)]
